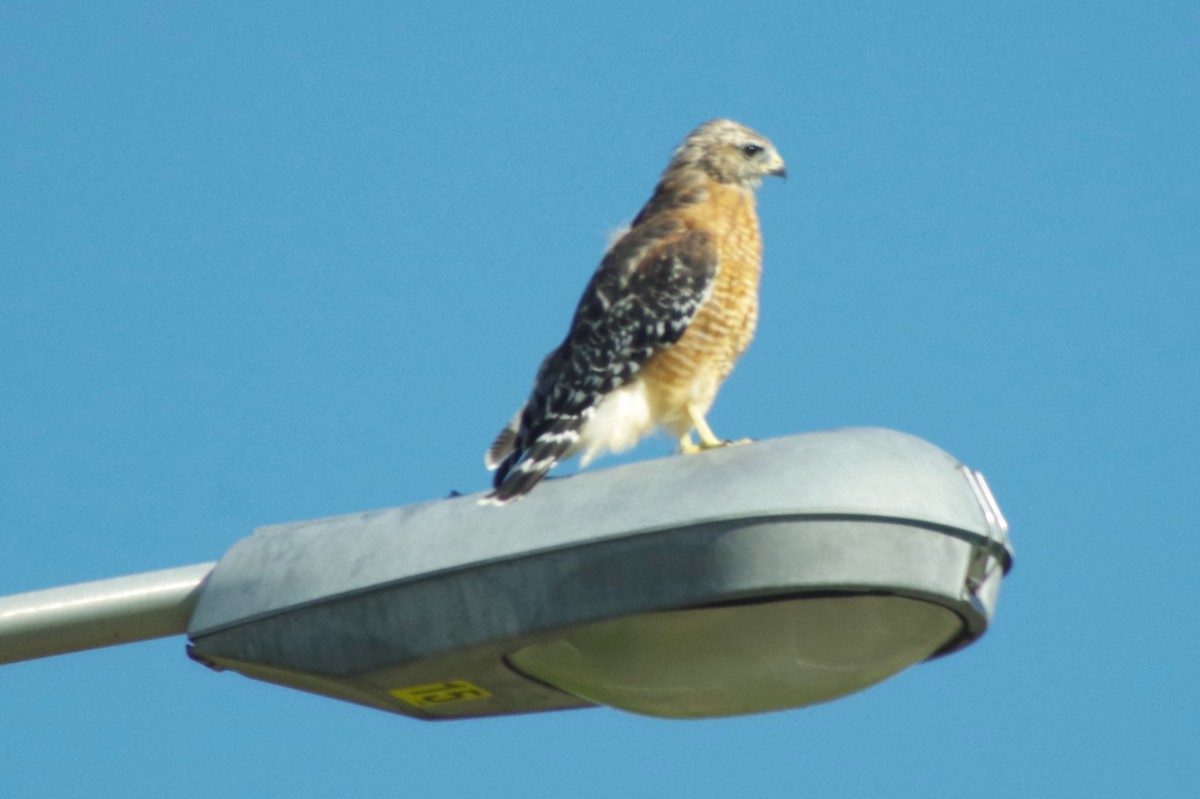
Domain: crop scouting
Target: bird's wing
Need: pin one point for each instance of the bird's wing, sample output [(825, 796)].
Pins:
[(641, 299)]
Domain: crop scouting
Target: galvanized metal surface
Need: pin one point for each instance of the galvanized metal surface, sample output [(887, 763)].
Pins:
[(868, 473), (357, 606), (103, 613)]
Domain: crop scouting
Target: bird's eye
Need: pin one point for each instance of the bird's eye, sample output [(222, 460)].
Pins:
[(751, 150)]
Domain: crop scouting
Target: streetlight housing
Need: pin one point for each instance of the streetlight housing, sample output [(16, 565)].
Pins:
[(739, 580)]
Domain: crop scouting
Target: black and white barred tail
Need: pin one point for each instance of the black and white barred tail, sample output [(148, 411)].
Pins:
[(520, 466)]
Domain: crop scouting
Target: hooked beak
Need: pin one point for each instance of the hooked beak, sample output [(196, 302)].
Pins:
[(778, 168)]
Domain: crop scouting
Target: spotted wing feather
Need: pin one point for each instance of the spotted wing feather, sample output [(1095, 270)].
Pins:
[(641, 299)]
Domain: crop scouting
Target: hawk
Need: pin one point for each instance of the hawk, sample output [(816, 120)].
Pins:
[(672, 305)]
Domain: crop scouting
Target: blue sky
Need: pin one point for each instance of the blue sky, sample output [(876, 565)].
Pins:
[(262, 265)]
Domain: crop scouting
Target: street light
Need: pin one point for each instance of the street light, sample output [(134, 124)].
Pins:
[(751, 578), (744, 579)]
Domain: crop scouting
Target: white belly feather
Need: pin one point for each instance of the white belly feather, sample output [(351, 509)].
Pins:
[(621, 419)]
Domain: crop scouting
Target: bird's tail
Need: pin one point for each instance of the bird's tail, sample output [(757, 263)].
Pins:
[(505, 443), (523, 467)]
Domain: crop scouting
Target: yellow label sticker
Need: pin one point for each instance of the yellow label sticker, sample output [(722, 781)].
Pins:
[(439, 693)]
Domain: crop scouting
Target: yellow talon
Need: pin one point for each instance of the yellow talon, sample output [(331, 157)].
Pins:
[(708, 439)]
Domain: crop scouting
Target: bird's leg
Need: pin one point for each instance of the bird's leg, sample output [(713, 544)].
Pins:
[(687, 446), (708, 439)]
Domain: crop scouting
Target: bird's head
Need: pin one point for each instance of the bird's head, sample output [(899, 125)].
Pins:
[(729, 153)]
